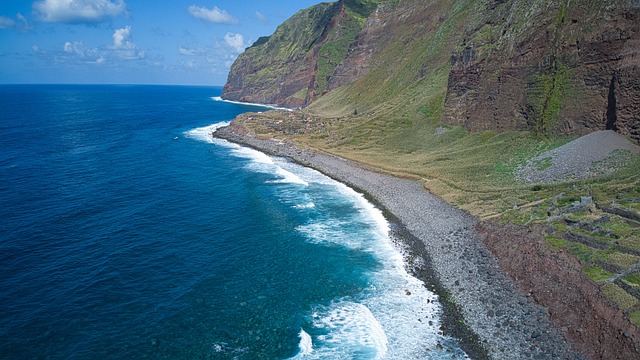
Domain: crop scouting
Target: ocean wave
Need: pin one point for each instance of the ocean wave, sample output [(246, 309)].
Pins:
[(259, 161), (254, 155), (273, 107), (344, 330), (288, 178), (305, 346), (204, 133), (330, 232), (395, 316)]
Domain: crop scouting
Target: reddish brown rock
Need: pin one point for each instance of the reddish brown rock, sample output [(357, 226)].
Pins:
[(565, 66), (293, 66), (597, 328)]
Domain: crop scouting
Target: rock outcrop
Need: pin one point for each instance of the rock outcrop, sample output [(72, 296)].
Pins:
[(293, 66), (549, 66), (360, 51), (280, 69)]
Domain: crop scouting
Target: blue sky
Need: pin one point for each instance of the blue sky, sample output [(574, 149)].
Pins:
[(132, 41)]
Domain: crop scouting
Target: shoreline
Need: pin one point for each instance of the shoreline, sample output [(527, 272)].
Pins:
[(483, 308)]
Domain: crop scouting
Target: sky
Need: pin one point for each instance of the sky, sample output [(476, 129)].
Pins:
[(191, 42)]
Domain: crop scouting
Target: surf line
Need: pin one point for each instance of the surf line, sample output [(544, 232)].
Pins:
[(273, 107)]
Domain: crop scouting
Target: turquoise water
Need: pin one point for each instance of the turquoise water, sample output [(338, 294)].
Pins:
[(128, 232)]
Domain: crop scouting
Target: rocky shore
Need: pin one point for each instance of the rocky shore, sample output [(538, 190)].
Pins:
[(500, 321)]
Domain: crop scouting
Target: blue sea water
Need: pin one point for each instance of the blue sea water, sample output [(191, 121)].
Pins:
[(128, 232)]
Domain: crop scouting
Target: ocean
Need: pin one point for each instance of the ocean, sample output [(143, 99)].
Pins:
[(128, 232)]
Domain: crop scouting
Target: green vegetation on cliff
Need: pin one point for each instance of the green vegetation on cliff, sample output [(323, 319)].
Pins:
[(362, 8), (300, 56), (547, 94), (275, 69)]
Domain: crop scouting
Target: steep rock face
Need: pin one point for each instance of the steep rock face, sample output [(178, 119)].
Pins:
[(275, 70), (398, 62), (358, 59), (293, 66), (549, 66)]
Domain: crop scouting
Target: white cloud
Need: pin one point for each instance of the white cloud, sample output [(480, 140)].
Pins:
[(79, 11), (77, 52), (6, 23), (215, 15), (122, 38), (190, 52), (261, 17), (74, 47), (185, 51), (219, 55), (123, 46), (113, 52), (236, 41), (37, 50)]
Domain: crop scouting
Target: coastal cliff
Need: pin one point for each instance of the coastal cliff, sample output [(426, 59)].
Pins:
[(545, 66), (292, 67)]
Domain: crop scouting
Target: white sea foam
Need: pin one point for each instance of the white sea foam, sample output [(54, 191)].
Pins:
[(402, 317), (204, 133), (306, 343), (288, 177), (329, 232), (224, 348), (254, 155), (308, 205), (259, 161), (347, 330), (218, 98), (265, 164)]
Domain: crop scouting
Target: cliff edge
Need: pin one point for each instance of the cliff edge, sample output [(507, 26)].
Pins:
[(292, 67), (550, 67)]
